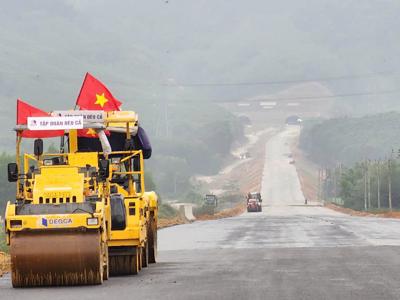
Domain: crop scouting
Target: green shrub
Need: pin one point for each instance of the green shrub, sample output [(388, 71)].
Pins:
[(3, 246), (166, 211)]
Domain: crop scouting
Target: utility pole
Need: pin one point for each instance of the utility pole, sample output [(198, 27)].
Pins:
[(365, 186), (334, 184), (390, 182), (369, 184), (175, 184), (323, 185), (319, 186), (379, 183), (340, 181)]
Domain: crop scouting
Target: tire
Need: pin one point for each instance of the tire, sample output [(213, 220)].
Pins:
[(145, 255), (100, 276), (134, 262), (152, 242), (106, 267), (140, 258)]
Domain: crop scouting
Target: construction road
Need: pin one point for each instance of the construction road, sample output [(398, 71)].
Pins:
[(289, 251)]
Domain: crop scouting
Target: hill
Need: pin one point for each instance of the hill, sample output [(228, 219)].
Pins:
[(349, 140)]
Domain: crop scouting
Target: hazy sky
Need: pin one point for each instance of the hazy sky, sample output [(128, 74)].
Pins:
[(137, 46)]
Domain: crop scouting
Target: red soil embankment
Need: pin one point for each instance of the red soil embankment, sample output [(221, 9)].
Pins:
[(226, 213), (307, 172), (162, 223)]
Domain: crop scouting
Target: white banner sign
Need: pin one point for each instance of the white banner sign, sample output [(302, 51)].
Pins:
[(55, 123), (88, 115)]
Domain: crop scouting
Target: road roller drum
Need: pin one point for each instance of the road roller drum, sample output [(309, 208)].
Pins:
[(56, 258)]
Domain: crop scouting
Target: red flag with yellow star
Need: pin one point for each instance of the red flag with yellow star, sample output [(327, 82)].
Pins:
[(24, 110), (94, 95)]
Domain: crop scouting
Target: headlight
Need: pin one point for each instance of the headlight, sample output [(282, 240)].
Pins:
[(16, 223), (92, 221), (47, 162)]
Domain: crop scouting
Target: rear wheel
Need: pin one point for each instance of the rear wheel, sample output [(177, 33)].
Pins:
[(106, 269), (145, 255), (101, 269), (140, 257), (135, 262), (152, 240), (127, 264)]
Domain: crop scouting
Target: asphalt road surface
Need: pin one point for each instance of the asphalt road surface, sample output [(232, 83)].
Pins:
[(288, 251)]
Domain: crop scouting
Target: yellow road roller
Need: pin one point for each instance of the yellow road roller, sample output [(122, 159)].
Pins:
[(81, 214)]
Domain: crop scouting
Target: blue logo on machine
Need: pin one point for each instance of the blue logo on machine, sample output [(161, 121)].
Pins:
[(55, 221)]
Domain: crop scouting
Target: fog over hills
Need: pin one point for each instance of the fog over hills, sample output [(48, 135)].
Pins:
[(146, 50)]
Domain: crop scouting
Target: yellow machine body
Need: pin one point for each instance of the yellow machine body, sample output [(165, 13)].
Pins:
[(61, 227), (136, 243)]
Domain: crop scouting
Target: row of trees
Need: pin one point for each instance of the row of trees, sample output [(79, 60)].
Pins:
[(367, 185)]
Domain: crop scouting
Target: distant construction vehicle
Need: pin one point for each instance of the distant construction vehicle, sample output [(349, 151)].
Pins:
[(82, 214), (211, 200), (254, 202), (293, 120)]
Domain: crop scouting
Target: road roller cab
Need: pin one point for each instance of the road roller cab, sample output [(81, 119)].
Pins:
[(82, 213)]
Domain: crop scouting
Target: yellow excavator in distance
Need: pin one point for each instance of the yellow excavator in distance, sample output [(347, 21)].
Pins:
[(82, 214)]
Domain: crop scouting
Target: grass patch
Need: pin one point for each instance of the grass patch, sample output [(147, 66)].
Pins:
[(3, 246)]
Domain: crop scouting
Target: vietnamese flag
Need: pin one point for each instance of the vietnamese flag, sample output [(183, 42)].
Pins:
[(94, 95), (24, 110)]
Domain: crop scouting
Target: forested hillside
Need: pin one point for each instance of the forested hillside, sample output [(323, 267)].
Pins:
[(349, 140)]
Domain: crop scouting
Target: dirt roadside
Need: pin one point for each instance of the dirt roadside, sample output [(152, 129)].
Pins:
[(5, 263), (247, 176), (307, 172), (178, 220), (226, 213), (240, 175)]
